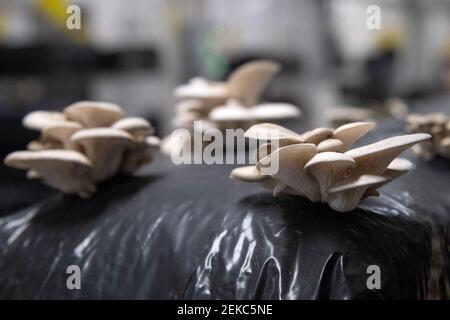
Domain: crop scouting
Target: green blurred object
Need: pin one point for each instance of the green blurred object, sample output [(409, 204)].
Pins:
[(217, 65)]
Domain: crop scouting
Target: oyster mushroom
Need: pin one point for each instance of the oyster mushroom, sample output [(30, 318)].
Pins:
[(375, 158), (139, 154), (329, 168), (269, 131), (153, 142), (438, 124), (189, 105), (272, 111), (317, 135), (136, 126), (66, 170), (105, 148), (33, 174), (291, 161), (340, 179), (38, 120), (202, 89), (397, 168), (249, 80), (37, 145), (93, 114), (346, 196), (248, 174), (445, 146), (233, 111), (335, 145), (351, 132), (61, 132)]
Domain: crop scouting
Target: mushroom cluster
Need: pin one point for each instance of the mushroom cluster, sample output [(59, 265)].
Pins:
[(436, 124), (87, 143), (319, 166), (234, 103)]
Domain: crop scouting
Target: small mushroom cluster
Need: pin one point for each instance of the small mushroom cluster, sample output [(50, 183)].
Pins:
[(436, 124), (234, 103), (317, 164), (87, 143)]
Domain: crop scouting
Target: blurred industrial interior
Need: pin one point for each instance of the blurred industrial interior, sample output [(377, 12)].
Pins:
[(136, 52)]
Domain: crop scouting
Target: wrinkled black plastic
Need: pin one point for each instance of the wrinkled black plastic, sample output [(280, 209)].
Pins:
[(190, 232)]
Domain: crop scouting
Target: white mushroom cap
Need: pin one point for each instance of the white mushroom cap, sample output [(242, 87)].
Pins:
[(269, 131), (416, 118), (27, 159), (38, 120), (334, 145), (153, 141), (65, 170), (61, 131), (36, 145), (199, 88), (397, 107), (33, 174), (317, 135), (398, 167), (349, 133), (105, 147), (248, 174), (190, 105), (329, 168), (272, 111), (375, 158), (137, 126), (291, 160), (93, 114), (249, 80), (233, 111), (346, 196)]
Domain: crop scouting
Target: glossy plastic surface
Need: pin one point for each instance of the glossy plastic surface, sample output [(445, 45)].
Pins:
[(190, 232)]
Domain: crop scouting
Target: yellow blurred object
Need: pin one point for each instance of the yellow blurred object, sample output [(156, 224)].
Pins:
[(56, 11), (390, 39), (3, 24)]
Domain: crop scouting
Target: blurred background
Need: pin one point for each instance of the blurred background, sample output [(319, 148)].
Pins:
[(136, 52)]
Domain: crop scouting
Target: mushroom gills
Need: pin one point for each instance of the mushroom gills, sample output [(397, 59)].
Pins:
[(287, 163), (345, 197)]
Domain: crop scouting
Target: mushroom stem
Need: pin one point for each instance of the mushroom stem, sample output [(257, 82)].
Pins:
[(105, 147), (291, 161)]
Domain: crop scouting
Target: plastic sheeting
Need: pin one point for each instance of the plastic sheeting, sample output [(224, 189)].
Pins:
[(190, 232)]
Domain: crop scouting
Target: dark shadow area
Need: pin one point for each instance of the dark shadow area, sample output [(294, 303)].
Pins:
[(289, 248), (73, 210)]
